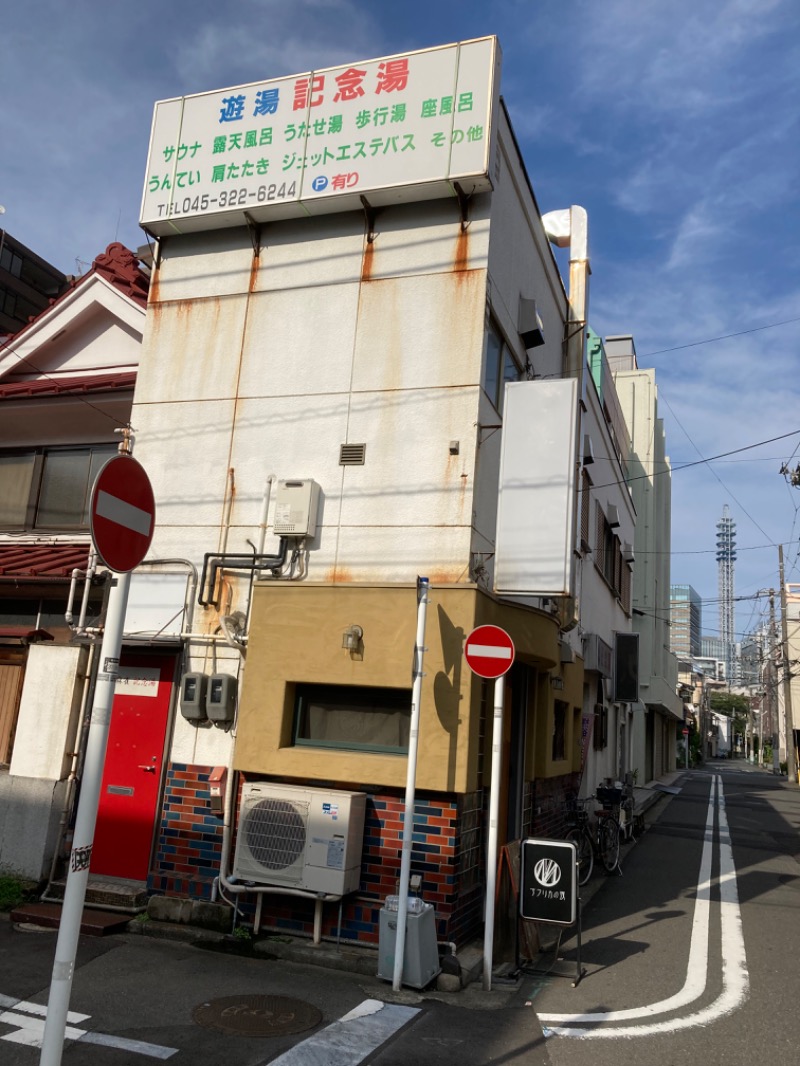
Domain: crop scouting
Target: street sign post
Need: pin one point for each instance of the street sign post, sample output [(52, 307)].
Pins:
[(489, 652), (122, 520)]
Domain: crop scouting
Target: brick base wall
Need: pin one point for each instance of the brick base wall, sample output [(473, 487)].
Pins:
[(447, 852)]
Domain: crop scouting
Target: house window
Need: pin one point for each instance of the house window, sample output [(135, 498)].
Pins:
[(353, 718), (499, 366), (608, 559), (559, 730), (600, 729), (586, 495), (49, 488)]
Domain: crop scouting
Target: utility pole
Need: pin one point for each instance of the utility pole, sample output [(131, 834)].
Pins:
[(771, 687), (791, 761)]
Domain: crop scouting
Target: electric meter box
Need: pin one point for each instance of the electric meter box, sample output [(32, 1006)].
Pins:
[(221, 698), (296, 506), (193, 697)]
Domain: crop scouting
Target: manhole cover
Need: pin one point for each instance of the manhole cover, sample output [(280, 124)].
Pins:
[(257, 1015)]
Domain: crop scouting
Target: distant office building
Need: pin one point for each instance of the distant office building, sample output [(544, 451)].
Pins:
[(27, 284), (685, 617)]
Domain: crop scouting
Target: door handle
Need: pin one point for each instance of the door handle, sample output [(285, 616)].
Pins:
[(148, 769)]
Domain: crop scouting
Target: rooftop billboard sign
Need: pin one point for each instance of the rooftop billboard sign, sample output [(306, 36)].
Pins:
[(391, 130)]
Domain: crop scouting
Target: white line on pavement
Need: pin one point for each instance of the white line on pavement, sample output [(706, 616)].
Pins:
[(735, 980), (351, 1039)]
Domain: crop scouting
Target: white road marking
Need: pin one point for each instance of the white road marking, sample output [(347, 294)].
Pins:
[(29, 1019), (351, 1039), (735, 980), (123, 513)]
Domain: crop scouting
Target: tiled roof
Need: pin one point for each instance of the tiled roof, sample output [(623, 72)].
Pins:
[(116, 264), (120, 266), (41, 562), (68, 386)]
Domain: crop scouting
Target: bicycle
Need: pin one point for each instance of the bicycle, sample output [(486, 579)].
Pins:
[(600, 840)]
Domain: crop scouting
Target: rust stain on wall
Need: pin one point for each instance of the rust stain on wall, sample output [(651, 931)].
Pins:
[(367, 261), (338, 575), (254, 267), (461, 259)]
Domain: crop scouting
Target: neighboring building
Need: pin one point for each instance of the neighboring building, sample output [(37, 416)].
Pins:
[(658, 715), (66, 384), (712, 669), (685, 615), (713, 648), (27, 284)]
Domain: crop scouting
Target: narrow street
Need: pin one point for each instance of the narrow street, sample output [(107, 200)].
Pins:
[(688, 956)]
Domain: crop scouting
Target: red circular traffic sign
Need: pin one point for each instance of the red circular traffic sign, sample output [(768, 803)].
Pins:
[(489, 651), (123, 513)]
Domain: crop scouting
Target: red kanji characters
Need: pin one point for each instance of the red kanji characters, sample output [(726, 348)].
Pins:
[(392, 75), (304, 88), (349, 83)]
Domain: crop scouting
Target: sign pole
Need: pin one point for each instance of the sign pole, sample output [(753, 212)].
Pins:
[(423, 586), (81, 854), (491, 845)]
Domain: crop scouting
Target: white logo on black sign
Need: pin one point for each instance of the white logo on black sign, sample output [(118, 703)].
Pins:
[(547, 872)]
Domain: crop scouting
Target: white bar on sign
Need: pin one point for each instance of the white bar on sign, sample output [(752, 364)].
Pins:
[(124, 514), (489, 651)]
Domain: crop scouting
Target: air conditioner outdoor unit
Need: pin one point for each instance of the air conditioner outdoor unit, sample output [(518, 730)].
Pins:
[(303, 838)]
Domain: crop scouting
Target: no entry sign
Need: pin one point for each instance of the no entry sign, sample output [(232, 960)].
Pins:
[(489, 651), (122, 514)]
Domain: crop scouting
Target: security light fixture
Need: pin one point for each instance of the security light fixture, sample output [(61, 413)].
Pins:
[(351, 638)]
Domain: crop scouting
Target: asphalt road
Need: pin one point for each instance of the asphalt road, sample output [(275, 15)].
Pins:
[(699, 962)]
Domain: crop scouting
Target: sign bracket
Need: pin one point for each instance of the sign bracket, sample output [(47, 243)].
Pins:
[(254, 229), (370, 214), (463, 205)]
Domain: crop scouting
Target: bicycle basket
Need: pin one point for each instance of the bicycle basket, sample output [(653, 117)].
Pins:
[(609, 797)]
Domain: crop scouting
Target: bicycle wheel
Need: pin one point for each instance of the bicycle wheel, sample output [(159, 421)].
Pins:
[(608, 837), (585, 856)]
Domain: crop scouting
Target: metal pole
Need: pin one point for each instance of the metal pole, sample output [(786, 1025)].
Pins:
[(81, 854), (791, 761), (423, 586), (491, 846)]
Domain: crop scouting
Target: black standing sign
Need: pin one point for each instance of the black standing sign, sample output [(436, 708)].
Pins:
[(548, 881)]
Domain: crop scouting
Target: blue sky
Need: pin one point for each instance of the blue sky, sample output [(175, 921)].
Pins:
[(675, 124)]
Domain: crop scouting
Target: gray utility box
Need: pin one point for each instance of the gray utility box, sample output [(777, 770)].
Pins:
[(421, 956)]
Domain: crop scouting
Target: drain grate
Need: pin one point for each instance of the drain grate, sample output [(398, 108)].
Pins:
[(257, 1015)]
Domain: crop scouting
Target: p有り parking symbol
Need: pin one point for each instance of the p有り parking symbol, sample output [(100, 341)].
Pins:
[(547, 872), (319, 183)]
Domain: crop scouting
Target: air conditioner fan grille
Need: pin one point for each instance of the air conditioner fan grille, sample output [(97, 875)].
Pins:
[(275, 833)]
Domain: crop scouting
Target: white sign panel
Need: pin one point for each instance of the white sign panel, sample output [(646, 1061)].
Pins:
[(395, 129), (533, 549)]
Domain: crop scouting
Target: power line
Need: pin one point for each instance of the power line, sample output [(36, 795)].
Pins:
[(724, 337)]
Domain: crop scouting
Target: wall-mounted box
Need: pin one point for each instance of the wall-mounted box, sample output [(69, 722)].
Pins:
[(296, 505), (221, 698), (193, 697)]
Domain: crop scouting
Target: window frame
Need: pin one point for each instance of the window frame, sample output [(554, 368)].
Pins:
[(39, 461), (495, 389), (351, 698)]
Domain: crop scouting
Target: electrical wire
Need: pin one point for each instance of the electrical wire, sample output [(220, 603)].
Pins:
[(724, 337)]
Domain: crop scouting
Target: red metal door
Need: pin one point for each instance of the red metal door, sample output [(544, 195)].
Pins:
[(130, 790)]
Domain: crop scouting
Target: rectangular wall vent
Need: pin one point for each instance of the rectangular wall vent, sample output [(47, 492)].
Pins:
[(352, 454)]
